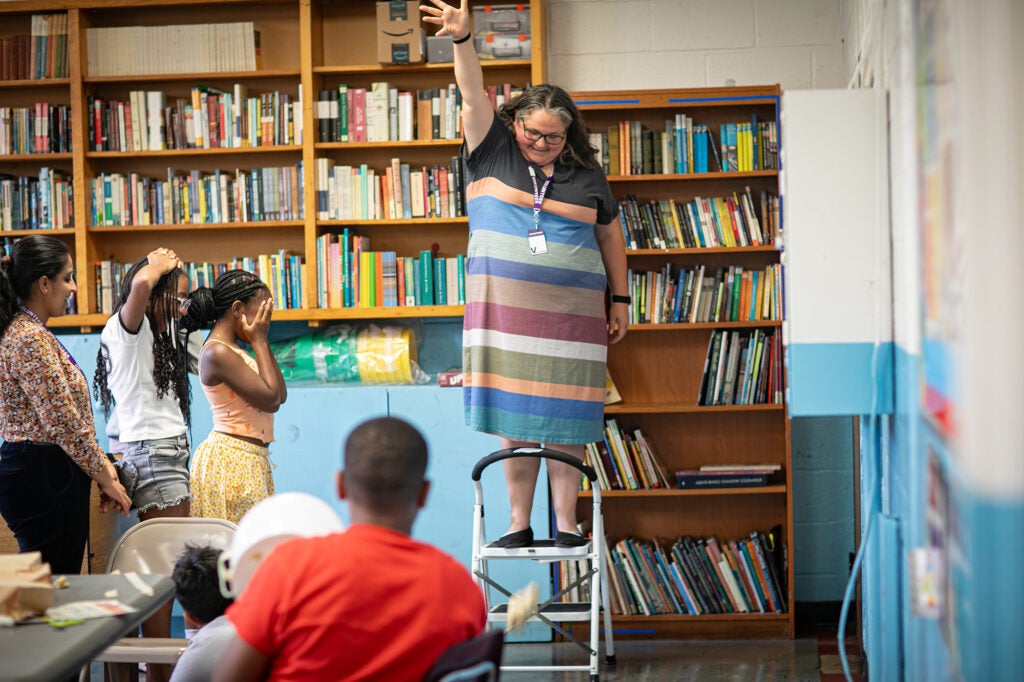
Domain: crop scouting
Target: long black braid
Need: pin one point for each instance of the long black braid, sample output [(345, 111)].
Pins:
[(170, 360), (207, 305)]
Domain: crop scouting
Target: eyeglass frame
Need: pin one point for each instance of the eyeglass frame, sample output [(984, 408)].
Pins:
[(183, 303), (535, 135)]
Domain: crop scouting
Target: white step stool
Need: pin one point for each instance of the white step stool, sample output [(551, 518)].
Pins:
[(549, 612)]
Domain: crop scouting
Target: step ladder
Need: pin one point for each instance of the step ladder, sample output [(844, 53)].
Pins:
[(550, 612)]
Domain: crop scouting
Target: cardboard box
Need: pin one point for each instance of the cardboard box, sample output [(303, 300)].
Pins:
[(25, 588), (501, 18), (502, 45), (399, 32), (440, 49)]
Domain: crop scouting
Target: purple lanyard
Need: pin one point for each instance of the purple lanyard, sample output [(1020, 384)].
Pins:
[(54, 336), (538, 197)]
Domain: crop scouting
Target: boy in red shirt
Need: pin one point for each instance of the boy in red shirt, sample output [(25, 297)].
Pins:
[(370, 603)]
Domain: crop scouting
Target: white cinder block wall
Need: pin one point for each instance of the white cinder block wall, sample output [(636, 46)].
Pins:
[(635, 44), (640, 44)]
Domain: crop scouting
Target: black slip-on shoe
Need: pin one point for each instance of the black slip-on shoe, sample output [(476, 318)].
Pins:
[(563, 539), (515, 540)]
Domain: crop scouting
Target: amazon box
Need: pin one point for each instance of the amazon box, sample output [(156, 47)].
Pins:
[(399, 32)]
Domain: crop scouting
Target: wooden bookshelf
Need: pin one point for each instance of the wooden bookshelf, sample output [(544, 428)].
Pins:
[(657, 369), (305, 44)]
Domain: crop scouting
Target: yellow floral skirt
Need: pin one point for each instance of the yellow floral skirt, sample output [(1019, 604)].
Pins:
[(229, 476)]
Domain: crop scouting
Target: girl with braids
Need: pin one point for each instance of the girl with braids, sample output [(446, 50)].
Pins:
[(231, 469), (49, 453), (141, 365)]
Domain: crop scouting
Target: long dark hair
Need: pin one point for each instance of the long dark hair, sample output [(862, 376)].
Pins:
[(31, 257), (207, 305), (170, 360), (550, 98)]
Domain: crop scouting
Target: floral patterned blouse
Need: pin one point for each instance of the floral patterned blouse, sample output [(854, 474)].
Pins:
[(44, 396)]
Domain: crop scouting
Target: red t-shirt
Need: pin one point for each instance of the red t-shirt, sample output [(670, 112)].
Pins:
[(366, 604)]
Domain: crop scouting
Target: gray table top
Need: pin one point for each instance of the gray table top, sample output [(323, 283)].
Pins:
[(37, 651)]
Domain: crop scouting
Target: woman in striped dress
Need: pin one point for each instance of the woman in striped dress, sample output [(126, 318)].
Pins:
[(545, 243)]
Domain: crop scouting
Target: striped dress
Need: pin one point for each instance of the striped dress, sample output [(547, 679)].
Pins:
[(535, 333)]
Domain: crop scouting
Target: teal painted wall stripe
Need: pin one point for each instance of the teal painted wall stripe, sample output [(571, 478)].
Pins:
[(836, 378), (990, 592)]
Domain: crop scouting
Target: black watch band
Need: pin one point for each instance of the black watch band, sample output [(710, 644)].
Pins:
[(619, 298)]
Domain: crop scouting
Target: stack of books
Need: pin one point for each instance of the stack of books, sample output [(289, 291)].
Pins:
[(727, 476)]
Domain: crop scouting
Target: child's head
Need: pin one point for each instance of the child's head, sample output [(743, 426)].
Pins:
[(196, 585), (235, 293), (165, 301), (170, 360)]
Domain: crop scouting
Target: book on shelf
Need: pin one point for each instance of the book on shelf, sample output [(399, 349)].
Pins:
[(693, 479), (730, 468)]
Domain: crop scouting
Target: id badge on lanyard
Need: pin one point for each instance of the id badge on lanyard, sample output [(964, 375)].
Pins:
[(538, 243)]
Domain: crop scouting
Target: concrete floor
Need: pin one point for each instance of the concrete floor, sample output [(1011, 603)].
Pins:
[(679, 661), (794, 660)]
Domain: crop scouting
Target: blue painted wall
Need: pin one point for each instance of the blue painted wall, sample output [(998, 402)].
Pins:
[(311, 427)]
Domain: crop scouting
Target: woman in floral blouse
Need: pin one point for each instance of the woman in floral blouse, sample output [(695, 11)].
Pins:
[(49, 453)]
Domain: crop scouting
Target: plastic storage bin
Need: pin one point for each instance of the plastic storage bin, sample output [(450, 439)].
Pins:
[(502, 45), (502, 19)]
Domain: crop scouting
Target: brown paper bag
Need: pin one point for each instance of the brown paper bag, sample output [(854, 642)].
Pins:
[(25, 587)]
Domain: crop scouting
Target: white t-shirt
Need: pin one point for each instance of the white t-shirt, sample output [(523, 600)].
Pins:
[(140, 414), (204, 651)]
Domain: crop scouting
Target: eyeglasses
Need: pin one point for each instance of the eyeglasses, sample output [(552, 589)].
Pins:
[(535, 135), (183, 303)]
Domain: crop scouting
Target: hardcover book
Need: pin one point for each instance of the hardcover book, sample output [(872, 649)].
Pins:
[(694, 480)]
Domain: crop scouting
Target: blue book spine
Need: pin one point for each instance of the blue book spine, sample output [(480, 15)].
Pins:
[(460, 270), (440, 282)]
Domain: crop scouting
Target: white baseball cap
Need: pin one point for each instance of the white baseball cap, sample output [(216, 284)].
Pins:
[(272, 521)]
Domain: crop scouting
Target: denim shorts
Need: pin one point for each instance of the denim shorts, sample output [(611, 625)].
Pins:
[(155, 472)]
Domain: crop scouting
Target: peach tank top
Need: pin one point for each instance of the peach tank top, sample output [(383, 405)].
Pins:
[(231, 413)]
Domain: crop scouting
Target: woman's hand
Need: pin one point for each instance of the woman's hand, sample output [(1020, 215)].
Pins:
[(164, 260), (112, 493), (618, 321), (454, 21), (260, 325)]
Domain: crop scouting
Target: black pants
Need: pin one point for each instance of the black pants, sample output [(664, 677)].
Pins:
[(44, 498)]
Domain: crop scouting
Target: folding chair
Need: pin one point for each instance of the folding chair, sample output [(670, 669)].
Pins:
[(550, 612), (154, 546), (477, 659)]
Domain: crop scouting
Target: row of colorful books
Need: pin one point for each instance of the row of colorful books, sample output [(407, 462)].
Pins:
[(625, 461), (695, 576), (742, 369), (683, 146), (400, 191), (42, 53), (241, 196), (700, 294), (175, 48), (386, 113), (350, 275), (281, 272), (383, 113), (739, 220), (42, 128), (749, 146), (36, 203), (208, 119)]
